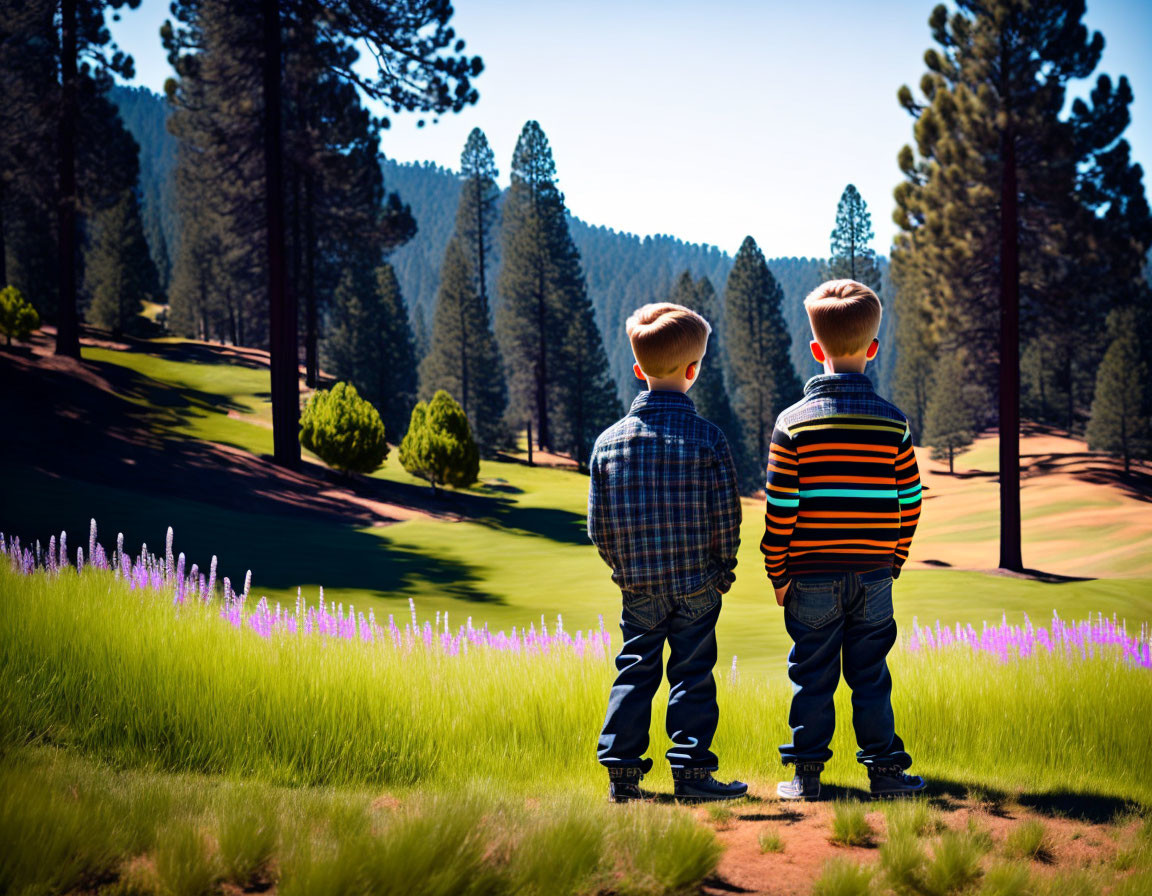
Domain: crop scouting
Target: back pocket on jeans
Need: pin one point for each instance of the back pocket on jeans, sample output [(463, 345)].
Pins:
[(814, 602)]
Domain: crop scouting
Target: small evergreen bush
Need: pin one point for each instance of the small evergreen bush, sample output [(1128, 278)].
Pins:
[(343, 430), (17, 316), (439, 446)]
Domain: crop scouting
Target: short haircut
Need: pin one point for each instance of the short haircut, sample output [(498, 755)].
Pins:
[(666, 338), (845, 316)]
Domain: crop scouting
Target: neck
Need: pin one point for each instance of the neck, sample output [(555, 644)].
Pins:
[(668, 384), (849, 364)]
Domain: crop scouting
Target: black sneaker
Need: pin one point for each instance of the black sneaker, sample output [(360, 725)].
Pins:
[(891, 781), (624, 784), (805, 784), (698, 784)]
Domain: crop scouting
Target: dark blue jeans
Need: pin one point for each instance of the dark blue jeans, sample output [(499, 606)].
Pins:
[(829, 615), (689, 626)]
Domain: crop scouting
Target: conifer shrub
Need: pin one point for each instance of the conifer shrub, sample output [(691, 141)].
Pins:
[(439, 446), (343, 430), (18, 319)]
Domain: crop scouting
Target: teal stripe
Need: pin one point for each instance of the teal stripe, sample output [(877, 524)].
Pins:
[(911, 500), (784, 502), (908, 491), (847, 493)]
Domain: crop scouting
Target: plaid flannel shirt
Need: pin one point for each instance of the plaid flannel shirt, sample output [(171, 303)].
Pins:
[(663, 507)]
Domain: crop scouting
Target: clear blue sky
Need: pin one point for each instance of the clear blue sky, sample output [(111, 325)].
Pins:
[(706, 121)]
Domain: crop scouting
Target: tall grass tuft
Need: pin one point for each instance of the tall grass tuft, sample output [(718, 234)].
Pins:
[(843, 877), (185, 864), (914, 816), (1028, 840), (903, 859), (1007, 879), (850, 826), (770, 841), (955, 864)]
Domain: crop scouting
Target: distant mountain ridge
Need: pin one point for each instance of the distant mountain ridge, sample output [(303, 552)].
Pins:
[(622, 270)]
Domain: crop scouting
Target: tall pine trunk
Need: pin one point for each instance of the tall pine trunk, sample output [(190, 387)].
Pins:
[(1010, 555), (3, 245), (543, 434), (311, 323), (67, 325), (281, 308)]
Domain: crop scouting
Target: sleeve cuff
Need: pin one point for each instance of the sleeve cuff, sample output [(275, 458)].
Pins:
[(780, 582), (895, 571)]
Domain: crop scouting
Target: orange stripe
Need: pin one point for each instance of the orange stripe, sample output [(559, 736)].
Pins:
[(847, 458), (841, 551), (844, 446), (826, 514), (867, 480), (906, 481), (785, 520), (778, 447), (787, 472), (777, 531), (842, 541), (894, 525)]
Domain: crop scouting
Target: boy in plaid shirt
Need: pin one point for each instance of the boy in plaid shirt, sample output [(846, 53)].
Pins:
[(664, 513)]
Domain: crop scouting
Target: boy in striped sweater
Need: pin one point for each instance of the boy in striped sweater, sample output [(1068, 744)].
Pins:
[(843, 500)]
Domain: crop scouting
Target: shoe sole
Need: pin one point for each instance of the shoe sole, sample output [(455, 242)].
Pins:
[(897, 794), (687, 798)]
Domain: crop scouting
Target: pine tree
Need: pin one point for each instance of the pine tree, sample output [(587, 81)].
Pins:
[(119, 272), (462, 357), (396, 392), (353, 348), (527, 322), (476, 213), (439, 446), (1121, 420), (762, 381), (948, 426), (586, 393), (1004, 200), (852, 256), (277, 54)]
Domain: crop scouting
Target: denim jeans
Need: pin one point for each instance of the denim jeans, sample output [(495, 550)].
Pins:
[(689, 626), (829, 615)]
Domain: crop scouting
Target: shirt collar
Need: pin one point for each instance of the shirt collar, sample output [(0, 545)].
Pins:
[(652, 399), (825, 383)]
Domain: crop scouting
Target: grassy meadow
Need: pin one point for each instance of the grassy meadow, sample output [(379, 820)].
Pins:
[(154, 748)]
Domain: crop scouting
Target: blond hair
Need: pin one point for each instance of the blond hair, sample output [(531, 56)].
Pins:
[(845, 316), (666, 338)]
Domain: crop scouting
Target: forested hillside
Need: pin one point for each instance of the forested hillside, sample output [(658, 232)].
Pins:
[(623, 270)]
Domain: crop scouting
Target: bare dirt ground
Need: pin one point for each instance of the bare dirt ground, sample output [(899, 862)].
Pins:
[(1071, 499), (805, 830)]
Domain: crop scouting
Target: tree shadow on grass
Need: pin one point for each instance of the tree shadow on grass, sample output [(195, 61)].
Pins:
[(493, 511), (283, 551)]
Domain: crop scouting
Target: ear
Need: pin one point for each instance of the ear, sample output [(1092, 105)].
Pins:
[(691, 370), (817, 352), (870, 352), (639, 373)]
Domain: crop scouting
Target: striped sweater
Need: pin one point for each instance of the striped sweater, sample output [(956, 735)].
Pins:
[(843, 491)]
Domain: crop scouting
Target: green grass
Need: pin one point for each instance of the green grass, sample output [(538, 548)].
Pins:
[(770, 841), (70, 824), (850, 826), (1028, 840), (843, 877), (520, 553), (122, 676)]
